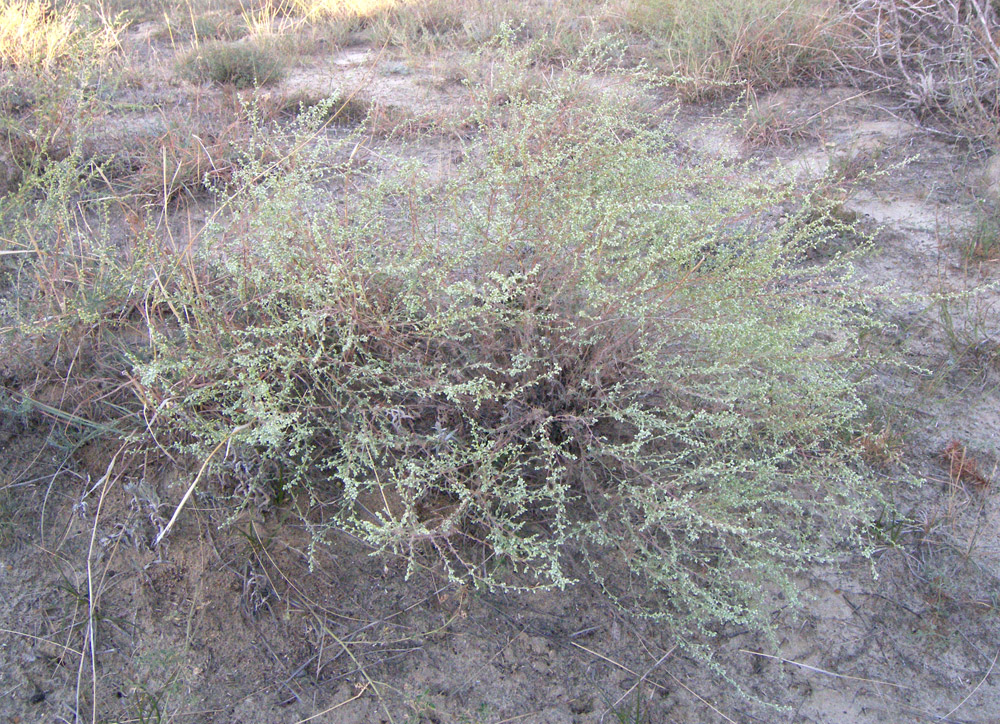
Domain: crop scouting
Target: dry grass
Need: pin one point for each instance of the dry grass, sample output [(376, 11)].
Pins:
[(193, 152), (37, 36), (983, 242), (52, 59), (941, 60), (718, 44), (240, 64), (31, 34), (962, 466), (326, 9), (765, 125)]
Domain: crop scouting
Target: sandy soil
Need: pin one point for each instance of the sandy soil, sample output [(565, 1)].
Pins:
[(229, 624)]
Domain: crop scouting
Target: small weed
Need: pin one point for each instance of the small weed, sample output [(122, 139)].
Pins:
[(983, 242), (15, 97), (965, 319), (481, 715), (423, 708), (850, 164), (349, 109), (148, 701), (881, 445), (241, 64), (635, 712), (962, 466), (889, 528), (763, 126), (145, 707)]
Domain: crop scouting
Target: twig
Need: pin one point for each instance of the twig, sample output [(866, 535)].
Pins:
[(643, 677), (661, 687), (824, 671), (91, 634), (190, 490), (42, 640), (335, 706), (987, 675), (343, 645)]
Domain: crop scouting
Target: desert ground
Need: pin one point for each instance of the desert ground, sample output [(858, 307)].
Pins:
[(171, 553)]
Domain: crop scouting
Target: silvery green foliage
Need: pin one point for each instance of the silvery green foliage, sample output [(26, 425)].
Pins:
[(581, 351)]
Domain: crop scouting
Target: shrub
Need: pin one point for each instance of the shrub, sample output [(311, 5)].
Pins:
[(241, 64), (941, 58), (580, 350)]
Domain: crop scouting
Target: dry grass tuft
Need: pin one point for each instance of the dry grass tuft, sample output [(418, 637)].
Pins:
[(983, 243), (32, 34), (718, 44), (36, 35), (240, 64), (961, 466)]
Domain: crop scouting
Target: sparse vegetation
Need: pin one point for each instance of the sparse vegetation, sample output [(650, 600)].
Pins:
[(51, 60), (193, 154)]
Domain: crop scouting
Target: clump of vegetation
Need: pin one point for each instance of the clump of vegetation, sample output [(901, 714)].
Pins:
[(64, 280), (412, 25), (179, 162), (240, 64), (941, 59), (718, 45), (31, 34), (580, 344), (581, 353)]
